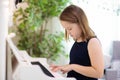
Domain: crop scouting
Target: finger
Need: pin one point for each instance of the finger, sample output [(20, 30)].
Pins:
[(52, 65), (56, 69), (63, 71)]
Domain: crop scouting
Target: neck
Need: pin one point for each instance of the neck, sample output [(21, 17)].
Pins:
[(79, 40)]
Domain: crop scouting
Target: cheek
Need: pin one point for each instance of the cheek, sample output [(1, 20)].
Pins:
[(77, 31)]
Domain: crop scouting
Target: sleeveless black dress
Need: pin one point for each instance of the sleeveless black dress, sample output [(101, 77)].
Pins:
[(79, 55)]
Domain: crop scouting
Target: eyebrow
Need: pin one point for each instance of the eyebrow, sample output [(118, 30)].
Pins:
[(67, 27)]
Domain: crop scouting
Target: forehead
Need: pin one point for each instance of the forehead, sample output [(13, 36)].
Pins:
[(67, 24)]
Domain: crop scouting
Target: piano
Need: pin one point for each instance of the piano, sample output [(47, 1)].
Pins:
[(21, 66)]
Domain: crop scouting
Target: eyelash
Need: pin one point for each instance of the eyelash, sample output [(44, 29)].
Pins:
[(69, 29)]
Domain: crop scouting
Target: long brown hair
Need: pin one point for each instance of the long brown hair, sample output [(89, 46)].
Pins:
[(75, 14)]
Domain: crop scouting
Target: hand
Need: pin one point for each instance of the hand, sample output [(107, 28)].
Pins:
[(55, 68), (64, 68)]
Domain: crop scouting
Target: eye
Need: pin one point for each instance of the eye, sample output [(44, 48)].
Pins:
[(69, 28)]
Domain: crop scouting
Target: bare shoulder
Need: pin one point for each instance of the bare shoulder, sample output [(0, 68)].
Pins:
[(94, 42)]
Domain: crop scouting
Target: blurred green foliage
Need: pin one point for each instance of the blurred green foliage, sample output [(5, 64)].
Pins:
[(31, 28)]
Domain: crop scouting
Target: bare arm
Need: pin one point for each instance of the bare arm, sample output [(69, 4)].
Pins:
[(96, 57)]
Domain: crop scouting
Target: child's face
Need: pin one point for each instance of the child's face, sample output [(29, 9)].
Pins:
[(72, 29)]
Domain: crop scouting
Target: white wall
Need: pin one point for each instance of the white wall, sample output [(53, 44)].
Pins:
[(3, 34), (103, 20)]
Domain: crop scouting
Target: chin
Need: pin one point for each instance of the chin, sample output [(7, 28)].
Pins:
[(74, 39)]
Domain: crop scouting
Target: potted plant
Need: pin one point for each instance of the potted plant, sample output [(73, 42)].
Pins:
[(34, 37)]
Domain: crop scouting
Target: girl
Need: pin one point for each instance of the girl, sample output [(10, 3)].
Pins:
[(86, 56)]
